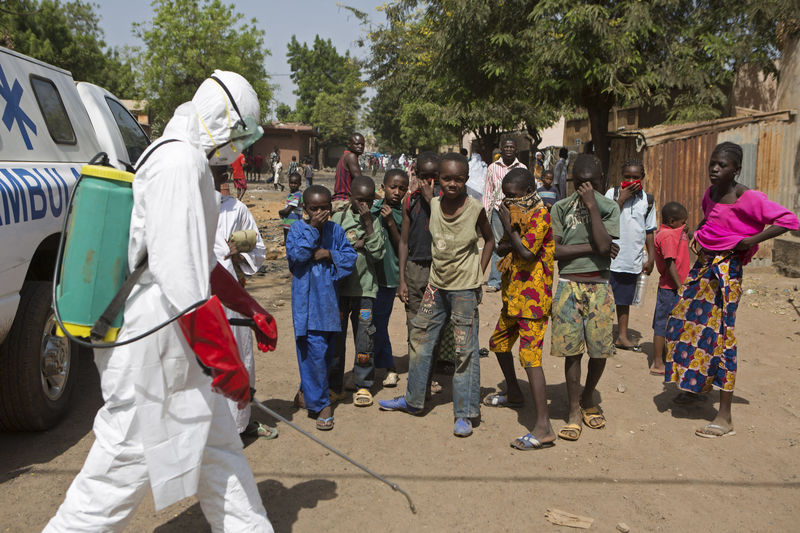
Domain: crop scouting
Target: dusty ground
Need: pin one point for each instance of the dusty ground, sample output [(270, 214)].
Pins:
[(646, 469)]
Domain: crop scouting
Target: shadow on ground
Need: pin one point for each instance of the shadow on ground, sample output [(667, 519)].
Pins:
[(283, 505), (20, 450)]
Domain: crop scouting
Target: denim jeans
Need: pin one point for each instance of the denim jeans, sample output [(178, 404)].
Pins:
[(381, 312), (497, 231), (358, 311), (461, 308)]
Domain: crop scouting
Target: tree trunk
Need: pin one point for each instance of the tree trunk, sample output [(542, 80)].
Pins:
[(598, 124), (535, 138), (488, 138)]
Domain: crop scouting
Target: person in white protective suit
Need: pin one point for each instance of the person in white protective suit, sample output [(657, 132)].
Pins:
[(161, 426), (234, 216), (477, 176)]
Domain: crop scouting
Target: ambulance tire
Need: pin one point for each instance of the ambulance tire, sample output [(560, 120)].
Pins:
[(35, 388)]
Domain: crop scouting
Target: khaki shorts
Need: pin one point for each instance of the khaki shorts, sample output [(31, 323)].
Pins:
[(583, 319), (531, 338)]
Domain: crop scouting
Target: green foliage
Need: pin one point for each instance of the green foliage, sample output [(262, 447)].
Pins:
[(284, 113), (448, 67), (329, 88), (186, 41), (320, 69), (67, 35), (499, 64)]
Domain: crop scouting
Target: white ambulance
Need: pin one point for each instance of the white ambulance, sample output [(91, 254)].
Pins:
[(50, 127)]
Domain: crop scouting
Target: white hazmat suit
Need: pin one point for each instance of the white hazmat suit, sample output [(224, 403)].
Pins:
[(234, 216), (161, 425)]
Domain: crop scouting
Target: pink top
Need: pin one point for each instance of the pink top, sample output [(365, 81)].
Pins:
[(671, 243), (727, 224)]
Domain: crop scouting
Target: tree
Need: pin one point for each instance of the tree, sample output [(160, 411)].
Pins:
[(67, 35), (185, 41), (284, 113), (679, 55), (495, 65), (320, 70), (440, 63)]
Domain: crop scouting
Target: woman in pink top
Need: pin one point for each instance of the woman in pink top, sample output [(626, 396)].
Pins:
[(701, 345)]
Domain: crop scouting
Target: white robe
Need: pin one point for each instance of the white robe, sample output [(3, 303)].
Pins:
[(161, 425), (234, 216)]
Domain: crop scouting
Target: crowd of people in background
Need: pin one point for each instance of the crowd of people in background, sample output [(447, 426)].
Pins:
[(575, 262)]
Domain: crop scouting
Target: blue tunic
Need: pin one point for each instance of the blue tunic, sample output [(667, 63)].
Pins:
[(315, 299)]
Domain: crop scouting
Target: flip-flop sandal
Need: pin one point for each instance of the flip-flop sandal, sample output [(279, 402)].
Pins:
[(713, 431), (362, 398), (257, 429), (593, 417), (656, 372), (632, 348), (688, 398), (530, 442), (325, 424), (500, 400), (570, 432)]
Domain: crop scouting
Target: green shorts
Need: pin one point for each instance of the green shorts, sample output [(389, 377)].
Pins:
[(583, 320)]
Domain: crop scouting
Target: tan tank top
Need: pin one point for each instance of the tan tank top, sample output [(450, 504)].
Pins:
[(456, 261)]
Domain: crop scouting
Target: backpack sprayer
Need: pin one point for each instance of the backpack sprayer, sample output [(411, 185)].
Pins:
[(90, 282)]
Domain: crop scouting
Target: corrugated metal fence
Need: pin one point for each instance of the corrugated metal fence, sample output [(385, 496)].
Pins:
[(676, 159)]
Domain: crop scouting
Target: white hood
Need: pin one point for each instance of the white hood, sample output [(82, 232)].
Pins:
[(217, 113)]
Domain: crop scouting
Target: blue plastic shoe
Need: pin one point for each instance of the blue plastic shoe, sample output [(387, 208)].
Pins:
[(398, 404), (462, 427)]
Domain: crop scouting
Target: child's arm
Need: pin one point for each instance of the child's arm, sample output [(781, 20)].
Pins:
[(283, 213), (769, 233), (488, 239), (649, 245), (402, 256), (672, 271), (513, 235), (342, 254), (571, 251), (387, 219), (599, 238), (301, 243)]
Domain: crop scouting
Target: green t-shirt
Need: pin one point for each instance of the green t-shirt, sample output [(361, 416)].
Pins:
[(389, 274), (570, 220), (363, 280)]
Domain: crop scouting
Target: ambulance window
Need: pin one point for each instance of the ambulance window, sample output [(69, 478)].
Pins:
[(132, 135), (53, 111)]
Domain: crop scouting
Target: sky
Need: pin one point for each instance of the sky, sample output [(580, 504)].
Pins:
[(280, 19)]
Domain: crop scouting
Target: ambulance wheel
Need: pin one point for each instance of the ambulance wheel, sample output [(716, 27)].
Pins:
[(38, 370)]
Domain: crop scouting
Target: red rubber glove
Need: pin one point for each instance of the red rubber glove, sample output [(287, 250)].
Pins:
[(234, 297), (208, 333)]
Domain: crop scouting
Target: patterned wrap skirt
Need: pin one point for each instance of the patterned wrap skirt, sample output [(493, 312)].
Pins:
[(701, 345)]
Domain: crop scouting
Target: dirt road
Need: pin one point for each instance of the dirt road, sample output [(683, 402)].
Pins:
[(646, 469)]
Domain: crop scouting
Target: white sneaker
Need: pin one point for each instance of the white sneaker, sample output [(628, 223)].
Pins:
[(391, 379)]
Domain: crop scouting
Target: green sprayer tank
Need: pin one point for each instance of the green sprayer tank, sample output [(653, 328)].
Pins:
[(95, 261)]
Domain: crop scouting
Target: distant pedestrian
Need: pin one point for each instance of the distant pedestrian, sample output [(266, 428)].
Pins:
[(347, 169), (276, 174), (239, 180), (548, 192), (493, 195), (308, 173), (560, 172)]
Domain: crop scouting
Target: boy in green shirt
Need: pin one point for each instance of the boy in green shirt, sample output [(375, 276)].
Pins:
[(357, 291), (390, 209), (584, 225)]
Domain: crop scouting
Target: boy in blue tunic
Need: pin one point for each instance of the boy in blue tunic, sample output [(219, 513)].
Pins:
[(319, 256)]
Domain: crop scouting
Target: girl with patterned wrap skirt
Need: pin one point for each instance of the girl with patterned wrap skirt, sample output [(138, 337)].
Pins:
[(701, 344)]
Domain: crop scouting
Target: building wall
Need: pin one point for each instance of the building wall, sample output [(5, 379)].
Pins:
[(289, 143), (677, 170)]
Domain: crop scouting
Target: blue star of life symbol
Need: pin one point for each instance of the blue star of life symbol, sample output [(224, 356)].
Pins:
[(13, 112)]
